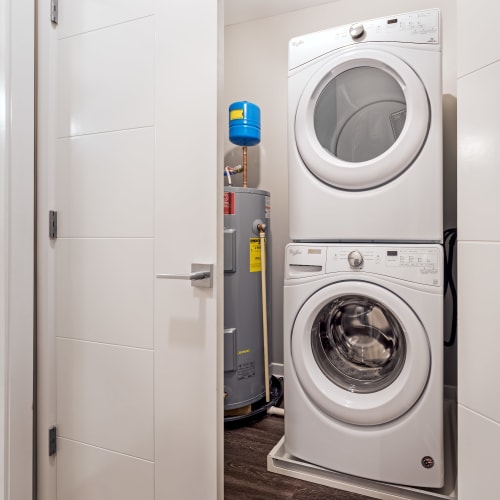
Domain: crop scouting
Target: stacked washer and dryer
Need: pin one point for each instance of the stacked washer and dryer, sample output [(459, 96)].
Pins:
[(363, 295)]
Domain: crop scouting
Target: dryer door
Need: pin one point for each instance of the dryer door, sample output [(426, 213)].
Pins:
[(362, 119), (360, 353)]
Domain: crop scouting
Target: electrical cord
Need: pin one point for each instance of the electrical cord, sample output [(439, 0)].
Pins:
[(449, 240)]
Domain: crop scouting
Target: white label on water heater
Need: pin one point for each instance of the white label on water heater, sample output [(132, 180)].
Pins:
[(268, 207)]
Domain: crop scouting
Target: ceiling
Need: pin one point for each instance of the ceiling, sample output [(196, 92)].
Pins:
[(240, 11)]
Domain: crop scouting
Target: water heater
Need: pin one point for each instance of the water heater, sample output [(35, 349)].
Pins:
[(244, 373)]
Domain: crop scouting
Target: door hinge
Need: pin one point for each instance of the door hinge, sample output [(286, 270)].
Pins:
[(52, 224), (54, 11), (52, 441)]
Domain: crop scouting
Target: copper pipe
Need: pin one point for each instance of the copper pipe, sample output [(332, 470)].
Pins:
[(245, 167)]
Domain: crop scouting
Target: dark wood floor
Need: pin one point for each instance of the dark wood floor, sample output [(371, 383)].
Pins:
[(245, 467)]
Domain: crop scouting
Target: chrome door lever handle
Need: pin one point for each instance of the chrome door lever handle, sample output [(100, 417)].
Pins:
[(200, 275)]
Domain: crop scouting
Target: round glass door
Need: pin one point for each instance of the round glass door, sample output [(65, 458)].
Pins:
[(360, 353), (360, 114), (358, 343), (361, 120)]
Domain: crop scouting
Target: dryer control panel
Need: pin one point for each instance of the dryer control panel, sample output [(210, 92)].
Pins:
[(419, 27), (418, 264)]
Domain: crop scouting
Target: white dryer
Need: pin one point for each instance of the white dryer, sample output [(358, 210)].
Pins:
[(363, 360), (365, 131)]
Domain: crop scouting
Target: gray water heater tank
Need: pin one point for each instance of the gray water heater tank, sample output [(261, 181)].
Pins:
[(244, 209)]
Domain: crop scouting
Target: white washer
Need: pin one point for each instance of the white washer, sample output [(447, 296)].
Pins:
[(364, 360), (365, 131)]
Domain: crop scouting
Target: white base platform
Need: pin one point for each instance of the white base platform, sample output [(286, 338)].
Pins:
[(280, 462)]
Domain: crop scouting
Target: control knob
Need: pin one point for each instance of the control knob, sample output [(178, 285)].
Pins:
[(356, 31), (355, 259)]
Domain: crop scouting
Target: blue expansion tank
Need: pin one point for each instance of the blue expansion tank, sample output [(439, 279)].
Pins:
[(244, 123)]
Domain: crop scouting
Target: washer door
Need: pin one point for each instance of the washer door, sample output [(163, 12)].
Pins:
[(360, 353), (362, 119)]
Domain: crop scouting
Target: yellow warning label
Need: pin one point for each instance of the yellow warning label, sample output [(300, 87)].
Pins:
[(244, 351), (236, 114), (255, 262)]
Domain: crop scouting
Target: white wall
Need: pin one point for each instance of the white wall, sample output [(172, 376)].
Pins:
[(478, 251), (16, 247), (256, 70)]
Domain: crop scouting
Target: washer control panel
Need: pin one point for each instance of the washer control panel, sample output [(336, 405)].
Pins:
[(418, 264), (413, 257)]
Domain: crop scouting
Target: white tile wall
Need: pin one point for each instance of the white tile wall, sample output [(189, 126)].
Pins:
[(478, 463), (479, 284), (478, 250), (96, 281), (477, 42), (88, 473), (105, 397), (92, 70), (105, 184), (479, 153), (78, 16)]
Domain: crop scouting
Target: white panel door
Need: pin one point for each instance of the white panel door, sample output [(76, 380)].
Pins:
[(130, 366)]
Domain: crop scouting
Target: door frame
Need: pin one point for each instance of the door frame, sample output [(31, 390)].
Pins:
[(17, 251)]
